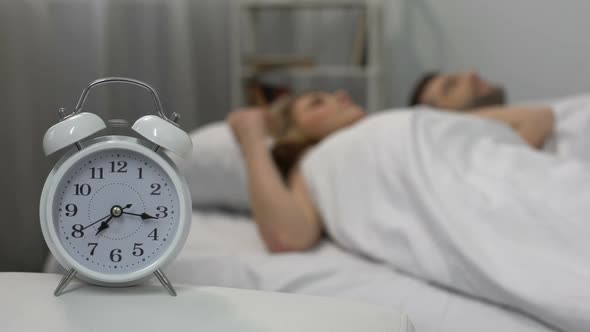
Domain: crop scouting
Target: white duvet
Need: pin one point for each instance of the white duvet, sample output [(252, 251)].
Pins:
[(464, 203)]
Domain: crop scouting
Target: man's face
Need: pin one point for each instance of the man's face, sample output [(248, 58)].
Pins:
[(461, 91)]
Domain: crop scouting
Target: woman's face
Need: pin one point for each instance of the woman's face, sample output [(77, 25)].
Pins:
[(319, 114)]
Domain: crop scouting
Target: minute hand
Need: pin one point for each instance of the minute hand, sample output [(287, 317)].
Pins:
[(96, 222), (143, 216)]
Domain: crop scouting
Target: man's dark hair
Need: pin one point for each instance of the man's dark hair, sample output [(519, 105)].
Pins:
[(419, 88)]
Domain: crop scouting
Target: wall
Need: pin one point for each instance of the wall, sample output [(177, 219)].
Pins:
[(537, 48)]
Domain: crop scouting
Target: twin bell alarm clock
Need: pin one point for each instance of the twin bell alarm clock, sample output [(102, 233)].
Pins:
[(115, 209)]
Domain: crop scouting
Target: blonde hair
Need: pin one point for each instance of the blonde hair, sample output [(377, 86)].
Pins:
[(290, 143), (281, 116)]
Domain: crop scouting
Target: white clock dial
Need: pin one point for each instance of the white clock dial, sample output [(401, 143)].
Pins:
[(116, 211)]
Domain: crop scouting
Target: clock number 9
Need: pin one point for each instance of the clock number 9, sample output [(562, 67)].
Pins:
[(78, 231), (116, 255), (72, 210)]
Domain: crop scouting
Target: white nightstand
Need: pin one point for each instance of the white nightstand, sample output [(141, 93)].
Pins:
[(27, 304)]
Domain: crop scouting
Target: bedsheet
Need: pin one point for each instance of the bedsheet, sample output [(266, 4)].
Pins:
[(225, 250)]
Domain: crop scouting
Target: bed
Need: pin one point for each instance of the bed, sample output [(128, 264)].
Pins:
[(224, 249)]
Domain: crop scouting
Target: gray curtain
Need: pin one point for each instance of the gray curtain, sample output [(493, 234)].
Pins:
[(50, 50)]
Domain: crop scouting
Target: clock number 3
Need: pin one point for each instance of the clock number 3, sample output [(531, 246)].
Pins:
[(162, 212)]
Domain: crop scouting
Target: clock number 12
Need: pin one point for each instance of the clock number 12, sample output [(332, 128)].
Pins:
[(122, 167)]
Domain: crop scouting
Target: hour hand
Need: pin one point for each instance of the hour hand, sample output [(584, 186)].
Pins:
[(103, 225), (143, 216)]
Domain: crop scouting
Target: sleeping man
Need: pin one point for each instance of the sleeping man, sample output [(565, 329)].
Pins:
[(463, 201), (463, 92), (466, 92)]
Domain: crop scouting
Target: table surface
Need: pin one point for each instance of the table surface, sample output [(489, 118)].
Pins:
[(27, 304)]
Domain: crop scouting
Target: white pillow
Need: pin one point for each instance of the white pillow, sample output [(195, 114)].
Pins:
[(215, 169)]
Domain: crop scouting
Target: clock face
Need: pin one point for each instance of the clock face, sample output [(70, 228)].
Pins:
[(116, 211)]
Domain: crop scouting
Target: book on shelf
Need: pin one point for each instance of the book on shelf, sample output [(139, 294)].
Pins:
[(259, 93), (359, 46), (262, 93), (277, 61)]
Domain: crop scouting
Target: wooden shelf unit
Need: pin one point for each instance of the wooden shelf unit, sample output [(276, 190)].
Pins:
[(243, 46)]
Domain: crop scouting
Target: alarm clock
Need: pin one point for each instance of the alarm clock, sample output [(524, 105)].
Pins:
[(115, 209)]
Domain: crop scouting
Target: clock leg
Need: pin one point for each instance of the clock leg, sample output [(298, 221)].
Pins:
[(64, 281), (165, 282)]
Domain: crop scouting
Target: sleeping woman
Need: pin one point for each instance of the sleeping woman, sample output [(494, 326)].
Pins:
[(463, 201)]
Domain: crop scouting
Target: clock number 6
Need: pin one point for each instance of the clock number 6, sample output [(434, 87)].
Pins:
[(116, 255)]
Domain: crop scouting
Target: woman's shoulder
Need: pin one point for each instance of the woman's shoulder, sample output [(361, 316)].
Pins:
[(387, 121), (365, 131), (380, 119), (392, 113)]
